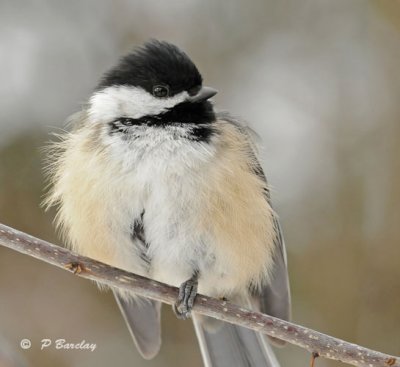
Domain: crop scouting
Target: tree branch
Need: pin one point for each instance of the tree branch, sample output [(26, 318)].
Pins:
[(313, 341)]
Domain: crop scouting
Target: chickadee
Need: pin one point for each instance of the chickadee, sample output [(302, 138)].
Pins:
[(153, 181)]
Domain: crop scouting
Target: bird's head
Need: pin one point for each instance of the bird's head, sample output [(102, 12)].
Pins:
[(156, 85)]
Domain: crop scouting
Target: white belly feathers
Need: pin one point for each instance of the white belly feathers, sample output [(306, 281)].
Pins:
[(203, 207)]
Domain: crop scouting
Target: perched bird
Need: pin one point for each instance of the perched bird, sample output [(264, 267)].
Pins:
[(152, 180)]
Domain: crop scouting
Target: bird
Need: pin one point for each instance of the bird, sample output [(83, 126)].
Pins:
[(153, 179)]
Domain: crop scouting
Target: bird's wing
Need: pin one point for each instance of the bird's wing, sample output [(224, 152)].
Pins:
[(230, 345), (274, 297), (142, 317)]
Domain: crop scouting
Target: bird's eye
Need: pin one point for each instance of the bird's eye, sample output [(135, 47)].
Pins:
[(160, 91)]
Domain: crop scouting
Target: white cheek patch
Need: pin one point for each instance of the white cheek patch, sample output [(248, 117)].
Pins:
[(117, 101)]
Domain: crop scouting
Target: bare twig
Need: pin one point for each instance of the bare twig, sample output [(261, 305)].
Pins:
[(314, 356), (316, 343)]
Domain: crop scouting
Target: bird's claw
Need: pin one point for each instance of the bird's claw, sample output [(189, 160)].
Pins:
[(184, 304)]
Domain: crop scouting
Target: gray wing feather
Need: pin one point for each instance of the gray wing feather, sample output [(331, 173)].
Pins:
[(142, 317), (231, 345), (274, 298)]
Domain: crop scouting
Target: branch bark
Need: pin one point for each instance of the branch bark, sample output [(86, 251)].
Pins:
[(313, 341)]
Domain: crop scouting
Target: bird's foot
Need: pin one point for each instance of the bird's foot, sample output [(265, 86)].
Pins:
[(187, 293)]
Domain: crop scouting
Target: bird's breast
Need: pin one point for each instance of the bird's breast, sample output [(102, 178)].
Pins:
[(206, 210), (202, 207)]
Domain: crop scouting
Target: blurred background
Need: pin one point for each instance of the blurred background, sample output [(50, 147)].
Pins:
[(318, 80)]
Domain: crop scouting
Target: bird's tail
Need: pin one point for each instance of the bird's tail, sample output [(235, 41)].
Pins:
[(230, 345)]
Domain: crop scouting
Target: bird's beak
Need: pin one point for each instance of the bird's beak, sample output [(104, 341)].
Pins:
[(203, 94)]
